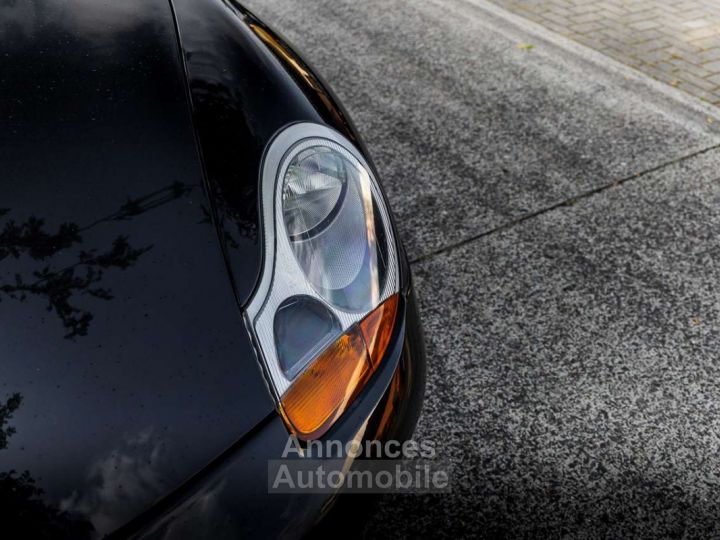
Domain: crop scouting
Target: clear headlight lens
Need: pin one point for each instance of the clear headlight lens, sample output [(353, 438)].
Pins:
[(330, 218), (313, 189), (324, 311)]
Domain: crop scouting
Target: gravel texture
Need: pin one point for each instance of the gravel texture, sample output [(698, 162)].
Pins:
[(469, 129), (574, 373), (564, 216)]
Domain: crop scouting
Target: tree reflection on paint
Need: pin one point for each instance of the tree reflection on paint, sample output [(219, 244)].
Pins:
[(23, 513), (60, 286)]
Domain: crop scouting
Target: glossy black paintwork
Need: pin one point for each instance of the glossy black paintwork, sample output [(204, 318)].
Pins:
[(124, 363), (230, 500), (246, 83), (129, 387)]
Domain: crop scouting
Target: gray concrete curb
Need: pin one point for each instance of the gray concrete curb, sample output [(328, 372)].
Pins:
[(515, 24)]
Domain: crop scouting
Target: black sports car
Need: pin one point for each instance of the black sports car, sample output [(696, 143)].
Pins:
[(196, 261)]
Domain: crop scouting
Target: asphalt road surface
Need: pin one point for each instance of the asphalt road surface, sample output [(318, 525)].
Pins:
[(563, 217)]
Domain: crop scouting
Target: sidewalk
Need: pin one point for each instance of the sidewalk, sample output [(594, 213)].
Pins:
[(677, 42)]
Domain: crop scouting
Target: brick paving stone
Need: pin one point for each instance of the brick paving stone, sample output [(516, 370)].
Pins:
[(674, 42), (715, 78), (710, 55)]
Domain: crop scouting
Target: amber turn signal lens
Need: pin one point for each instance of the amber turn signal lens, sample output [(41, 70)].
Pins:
[(377, 328), (328, 386)]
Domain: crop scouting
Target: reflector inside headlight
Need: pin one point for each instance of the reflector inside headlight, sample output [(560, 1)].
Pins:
[(330, 262), (331, 220), (313, 190)]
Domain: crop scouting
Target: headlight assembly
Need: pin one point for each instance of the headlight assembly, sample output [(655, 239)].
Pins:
[(325, 308)]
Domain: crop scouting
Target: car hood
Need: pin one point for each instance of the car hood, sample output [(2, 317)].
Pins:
[(125, 366)]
